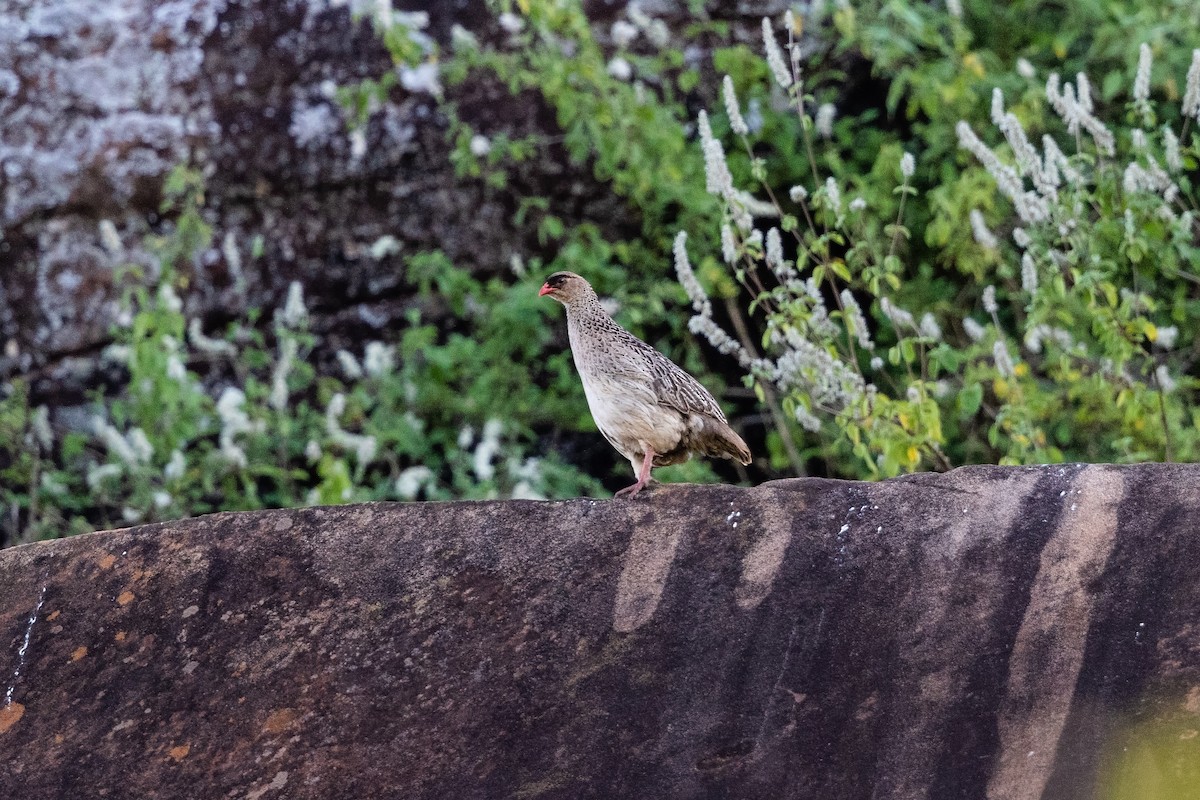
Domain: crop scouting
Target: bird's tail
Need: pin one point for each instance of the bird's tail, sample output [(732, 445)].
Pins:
[(720, 441)]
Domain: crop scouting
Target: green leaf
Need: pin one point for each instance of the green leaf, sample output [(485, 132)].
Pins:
[(970, 399)]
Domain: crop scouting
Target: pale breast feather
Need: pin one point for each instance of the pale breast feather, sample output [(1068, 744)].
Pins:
[(638, 367)]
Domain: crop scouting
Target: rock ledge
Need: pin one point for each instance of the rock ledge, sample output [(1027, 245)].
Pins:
[(990, 632)]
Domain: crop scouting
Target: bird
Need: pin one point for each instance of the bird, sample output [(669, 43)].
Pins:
[(650, 410)]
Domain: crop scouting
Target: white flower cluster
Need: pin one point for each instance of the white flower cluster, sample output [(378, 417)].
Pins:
[(168, 299), (207, 344), (362, 446), (687, 278), (732, 109), (511, 23), (818, 322), (718, 179), (852, 314), (1004, 363), (1038, 334), (278, 399), (233, 261), (294, 314), (1074, 105), (1030, 206), (463, 39), (833, 196), (823, 122), (620, 68), (1167, 335), (929, 327), (623, 33), (412, 481), (805, 367), (1141, 81), (654, 29), (729, 247), (979, 229), (1151, 178), (775, 260), (176, 466), (1191, 94), (234, 422), (176, 369), (1171, 149), (40, 434), (779, 67), (133, 448), (989, 300), (1045, 178), (349, 364), (807, 419), (110, 239), (487, 450), (702, 323), (973, 329), (527, 473), (379, 359), (899, 318), (1163, 377), (1029, 275)]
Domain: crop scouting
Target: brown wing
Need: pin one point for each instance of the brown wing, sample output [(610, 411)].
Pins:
[(673, 387)]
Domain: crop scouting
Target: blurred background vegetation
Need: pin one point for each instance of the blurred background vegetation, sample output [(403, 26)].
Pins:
[(484, 402)]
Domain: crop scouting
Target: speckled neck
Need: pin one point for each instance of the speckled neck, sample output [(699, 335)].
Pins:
[(586, 303), (585, 313), (595, 337)]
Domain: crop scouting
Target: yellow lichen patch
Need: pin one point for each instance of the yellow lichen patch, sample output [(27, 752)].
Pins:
[(59, 738), (179, 752), (125, 598), (53, 616), (279, 721), (120, 636), (10, 714), (108, 561), (79, 653)]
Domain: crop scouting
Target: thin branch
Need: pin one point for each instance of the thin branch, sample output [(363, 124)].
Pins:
[(785, 433)]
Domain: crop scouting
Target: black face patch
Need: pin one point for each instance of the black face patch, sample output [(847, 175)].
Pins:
[(557, 280)]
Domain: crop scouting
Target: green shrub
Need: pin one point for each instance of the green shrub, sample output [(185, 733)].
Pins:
[(1070, 339), (1074, 344), (243, 418)]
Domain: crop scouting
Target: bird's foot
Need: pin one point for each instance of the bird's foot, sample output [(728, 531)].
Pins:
[(643, 474), (631, 490)]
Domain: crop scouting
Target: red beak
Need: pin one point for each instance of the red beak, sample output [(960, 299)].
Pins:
[(545, 289)]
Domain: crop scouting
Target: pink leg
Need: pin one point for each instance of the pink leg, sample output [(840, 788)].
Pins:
[(643, 475)]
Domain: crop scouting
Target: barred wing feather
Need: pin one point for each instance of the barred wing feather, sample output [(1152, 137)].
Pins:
[(673, 387)]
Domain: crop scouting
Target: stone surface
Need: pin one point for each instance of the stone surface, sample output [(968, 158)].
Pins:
[(100, 100), (991, 632)]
